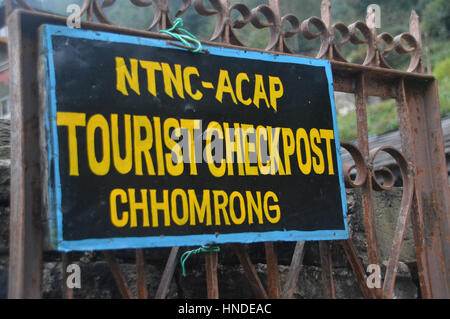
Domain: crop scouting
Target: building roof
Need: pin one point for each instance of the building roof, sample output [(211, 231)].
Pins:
[(393, 139)]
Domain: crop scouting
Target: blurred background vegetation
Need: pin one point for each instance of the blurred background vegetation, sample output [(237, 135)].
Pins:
[(382, 118)]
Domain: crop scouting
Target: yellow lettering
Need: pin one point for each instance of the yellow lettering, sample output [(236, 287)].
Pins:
[(260, 92), (172, 79), (241, 219), (220, 206), (233, 147), (224, 86), (177, 168), (177, 220), (239, 78), (191, 125), (122, 165), (261, 132), (156, 206), (116, 221), (142, 146), (203, 210), (288, 148), (318, 166), (268, 209), (274, 93), (305, 167), (215, 171), (134, 206), (187, 72), (328, 135), (253, 206), (158, 145), (151, 67), (101, 168), (249, 130), (72, 120), (123, 74), (275, 161)]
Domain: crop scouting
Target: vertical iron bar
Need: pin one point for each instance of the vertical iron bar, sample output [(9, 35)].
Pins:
[(414, 29), (141, 280), (437, 220), (422, 143), (212, 285), (327, 270), (25, 245), (325, 14), (367, 191), (226, 35), (273, 277), (275, 6)]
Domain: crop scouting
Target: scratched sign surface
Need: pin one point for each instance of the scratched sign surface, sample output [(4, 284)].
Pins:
[(151, 145)]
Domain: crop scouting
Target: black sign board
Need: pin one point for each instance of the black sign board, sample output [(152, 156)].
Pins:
[(151, 145)]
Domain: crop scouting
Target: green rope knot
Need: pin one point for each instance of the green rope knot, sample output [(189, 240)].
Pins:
[(187, 38), (203, 249)]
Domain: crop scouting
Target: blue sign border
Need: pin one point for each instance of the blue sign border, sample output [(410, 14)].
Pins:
[(54, 184)]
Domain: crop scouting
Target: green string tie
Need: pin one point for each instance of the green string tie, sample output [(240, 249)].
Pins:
[(203, 249), (188, 39)]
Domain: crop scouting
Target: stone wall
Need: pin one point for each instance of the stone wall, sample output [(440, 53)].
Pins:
[(97, 280)]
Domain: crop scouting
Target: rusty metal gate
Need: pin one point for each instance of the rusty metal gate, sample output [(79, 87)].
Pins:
[(421, 161)]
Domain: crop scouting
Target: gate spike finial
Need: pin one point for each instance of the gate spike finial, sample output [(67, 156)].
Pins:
[(417, 64), (275, 23), (325, 13)]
